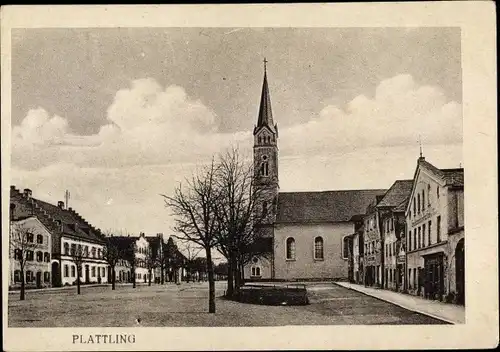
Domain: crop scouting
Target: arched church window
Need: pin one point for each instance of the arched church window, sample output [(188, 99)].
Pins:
[(290, 248), (318, 248), (264, 168), (264, 209)]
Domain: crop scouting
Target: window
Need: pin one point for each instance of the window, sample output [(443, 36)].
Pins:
[(93, 252), (29, 276), (419, 237), (423, 200), (46, 257), (290, 248), (46, 276), (414, 206), (103, 272), (39, 256), (18, 254), (17, 275), (414, 278), (418, 203), (409, 214), (66, 270), (86, 251), (264, 168), (66, 248), (428, 195), (318, 248), (437, 192), (80, 250), (255, 271), (429, 235), (423, 235), (73, 249), (345, 247), (93, 271), (73, 271), (29, 237), (415, 239), (39, 239), (99, 254), (438, 228), (392, 224), (29, 255), (409, 240)]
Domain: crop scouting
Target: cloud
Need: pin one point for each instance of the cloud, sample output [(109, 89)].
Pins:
[(150, 124), (398, 114)]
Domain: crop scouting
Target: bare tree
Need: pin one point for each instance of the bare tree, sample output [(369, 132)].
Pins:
[(239, 213), (191, 251), (194, 210), (112, 255), (22, 249), (77, 256)]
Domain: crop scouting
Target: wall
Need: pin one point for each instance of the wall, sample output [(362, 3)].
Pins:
[(334, 266)]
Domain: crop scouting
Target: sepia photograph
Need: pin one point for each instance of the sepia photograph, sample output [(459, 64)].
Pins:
[(206, 176)]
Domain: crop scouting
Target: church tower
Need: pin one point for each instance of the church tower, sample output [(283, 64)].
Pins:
[(265, 156)]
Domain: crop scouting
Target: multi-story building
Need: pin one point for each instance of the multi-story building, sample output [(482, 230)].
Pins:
[(30, 247), (73, 239), (435, 240), (134, 254), (358, 247), (373, 245), (156, 248), (392, 227)]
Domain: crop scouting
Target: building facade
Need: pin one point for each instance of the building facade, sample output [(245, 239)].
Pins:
[(435, 240), (30, 246), (71, 237)]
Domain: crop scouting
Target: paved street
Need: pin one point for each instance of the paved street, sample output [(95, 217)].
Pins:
[(186, 305)]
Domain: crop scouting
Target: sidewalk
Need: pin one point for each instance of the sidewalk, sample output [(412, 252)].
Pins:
[(451, 313), (71, 287)]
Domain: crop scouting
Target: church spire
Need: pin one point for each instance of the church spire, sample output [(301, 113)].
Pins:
[(265, 111)]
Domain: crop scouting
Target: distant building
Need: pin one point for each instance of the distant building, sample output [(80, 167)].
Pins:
[(373, 260), (392, 227), (70, 233), (156, 247), (435, 240)]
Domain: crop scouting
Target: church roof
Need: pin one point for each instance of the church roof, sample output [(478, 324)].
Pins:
[(265, 111), (328, 206), (399, 191)]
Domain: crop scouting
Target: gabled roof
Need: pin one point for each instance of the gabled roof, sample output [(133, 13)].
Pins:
[(58, 220), (329, 206), (398, 192), (451, 177), (402, 206)]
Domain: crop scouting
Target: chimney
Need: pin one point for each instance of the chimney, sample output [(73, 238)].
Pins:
[(70, 209), (12, 187), (27, 193), (60, 204)]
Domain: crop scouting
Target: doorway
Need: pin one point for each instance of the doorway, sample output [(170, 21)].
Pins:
[(87, 276), (39, 279), (460, 272), (55, 275)]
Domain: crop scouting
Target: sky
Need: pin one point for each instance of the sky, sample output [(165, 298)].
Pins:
[(119, 116)]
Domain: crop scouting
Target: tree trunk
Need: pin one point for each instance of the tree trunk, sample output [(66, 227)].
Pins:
[(133, 277), (149, 277), (113, 273), (162, 274), (230, 279), (211, 282), (237, 277), (78, 282), (23, 286)]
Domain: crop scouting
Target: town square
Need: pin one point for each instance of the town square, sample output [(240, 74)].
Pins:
[(162, 183)]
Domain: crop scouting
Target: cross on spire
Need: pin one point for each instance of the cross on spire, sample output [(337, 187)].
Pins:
[(420, 144), (265, 65)]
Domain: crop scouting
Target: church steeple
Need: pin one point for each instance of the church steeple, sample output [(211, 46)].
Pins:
[(265, 112)]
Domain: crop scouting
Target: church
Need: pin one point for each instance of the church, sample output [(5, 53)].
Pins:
[(307, 232)]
